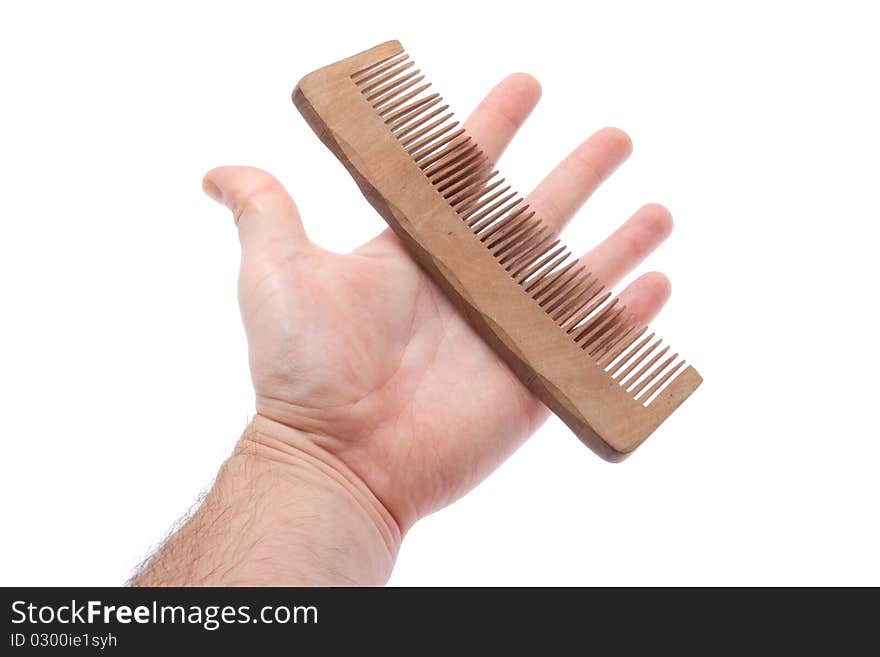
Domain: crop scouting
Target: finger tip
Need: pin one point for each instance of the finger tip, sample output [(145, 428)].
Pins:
[(619, 139), (526, 83), (218, 173), (660, 285), (647, 295), (211, 188), (659, 278), (660, 218), (516, 96), (225, 183)]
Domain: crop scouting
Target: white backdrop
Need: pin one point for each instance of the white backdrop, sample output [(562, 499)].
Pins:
[(123, 374)]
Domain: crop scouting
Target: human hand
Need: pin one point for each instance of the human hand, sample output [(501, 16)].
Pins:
[(365, 374)]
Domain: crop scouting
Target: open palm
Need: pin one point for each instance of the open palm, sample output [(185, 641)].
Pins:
[(366, 355)]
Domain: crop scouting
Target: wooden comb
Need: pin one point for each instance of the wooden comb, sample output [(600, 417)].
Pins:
[(566, 338)]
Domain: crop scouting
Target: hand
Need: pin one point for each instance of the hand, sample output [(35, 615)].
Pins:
[(362, 367)]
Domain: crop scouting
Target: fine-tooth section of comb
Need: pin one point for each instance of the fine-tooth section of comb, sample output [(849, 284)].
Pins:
[(566, 337)]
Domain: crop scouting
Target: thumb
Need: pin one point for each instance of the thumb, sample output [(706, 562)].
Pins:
[(265, 214)]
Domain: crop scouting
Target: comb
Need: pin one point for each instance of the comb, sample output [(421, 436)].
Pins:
[(556, 326)]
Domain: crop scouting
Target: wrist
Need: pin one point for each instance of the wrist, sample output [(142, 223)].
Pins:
[(352, 531), (283, 511)]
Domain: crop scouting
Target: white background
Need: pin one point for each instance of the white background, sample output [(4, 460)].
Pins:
[(123, 375)]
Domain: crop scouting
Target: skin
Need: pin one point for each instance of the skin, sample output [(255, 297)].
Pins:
[(376, 403)]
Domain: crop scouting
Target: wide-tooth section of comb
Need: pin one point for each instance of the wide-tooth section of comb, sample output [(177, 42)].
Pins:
[(416, 117)]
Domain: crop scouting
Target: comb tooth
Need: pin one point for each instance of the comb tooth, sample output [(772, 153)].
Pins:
[(477, 205), (432, 147), (450, 150), (538, 241), (561, 292), (531, 253), (400, 116), (590, 321), (593, 322), (627, 377), (551, 280), (613, 337), (474, 192), (404, 123), (561, 305), (485, 199), (652, 375), (549, 274), (416, 117), (622, 345), (588, 311), (578, 300), (421, 138), (371, 71), (385, 83), (478, 187), (609, 323), (656, 387), (465, 163), (440, 146), (536, 259), (556, 286), (524, 244), (478, 225), (464, 177), (574, 323), (461, 174), (411, 143), (451, 160), (514, 241), (454, 174), (512, 224), (512, 219), (602, 331), (485, 196), (399, 88), (448, 156), (400, 100), (615, 368), (474, 195), (511, 237), (377, 86), (406, 135), (486, 207), (540, 260), (632, 378)]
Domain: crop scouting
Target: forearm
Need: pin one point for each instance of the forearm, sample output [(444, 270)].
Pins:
[(281, 512)]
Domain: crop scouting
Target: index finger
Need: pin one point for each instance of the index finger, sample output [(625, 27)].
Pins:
[(502, 112)]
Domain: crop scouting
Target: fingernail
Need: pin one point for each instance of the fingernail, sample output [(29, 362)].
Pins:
[(212, 190)]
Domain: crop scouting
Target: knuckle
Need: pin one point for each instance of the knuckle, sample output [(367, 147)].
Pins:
[(254, 200)]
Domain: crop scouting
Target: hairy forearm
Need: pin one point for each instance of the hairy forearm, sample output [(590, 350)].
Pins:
[(282, 511)]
